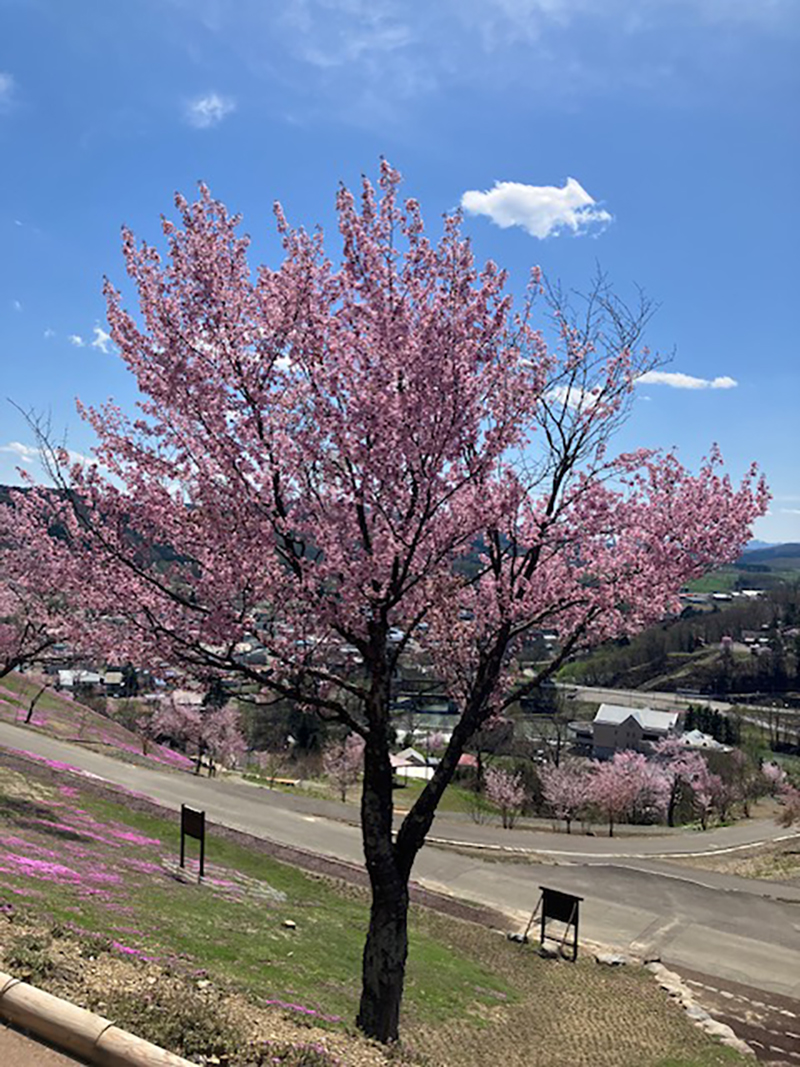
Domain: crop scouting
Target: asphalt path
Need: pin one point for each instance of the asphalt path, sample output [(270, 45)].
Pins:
[(634, 899)]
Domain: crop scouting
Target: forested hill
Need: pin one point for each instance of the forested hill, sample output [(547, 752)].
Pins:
[(776, 557)]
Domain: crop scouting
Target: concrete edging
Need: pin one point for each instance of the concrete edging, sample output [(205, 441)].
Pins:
[(76, 1030)]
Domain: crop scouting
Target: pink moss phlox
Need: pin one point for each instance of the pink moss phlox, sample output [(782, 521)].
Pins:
[(20, 891), (64, 827), (137, 953), (30, 846), (301, 1009), (48, 871), (143, 866), (133, 838)]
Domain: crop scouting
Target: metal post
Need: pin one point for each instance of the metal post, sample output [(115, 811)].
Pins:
[(183, 838)]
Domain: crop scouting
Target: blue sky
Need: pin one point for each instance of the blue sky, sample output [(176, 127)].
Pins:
[(675, 119)]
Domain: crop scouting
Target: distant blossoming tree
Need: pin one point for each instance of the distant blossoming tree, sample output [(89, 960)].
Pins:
[(329, 454), (565, 789), (709, 791), (628, 786), (212, 732), (34, 608), (774, 775), (790, 800), (683, 770), (342, 762), (507, 792)]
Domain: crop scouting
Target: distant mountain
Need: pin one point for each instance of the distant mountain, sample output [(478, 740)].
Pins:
[(773, 557), (752, 546)]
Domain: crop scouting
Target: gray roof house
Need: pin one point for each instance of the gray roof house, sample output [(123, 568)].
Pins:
[(616, 728)]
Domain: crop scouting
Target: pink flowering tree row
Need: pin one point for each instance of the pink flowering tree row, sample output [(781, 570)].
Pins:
[(632, 787), (367, 439)]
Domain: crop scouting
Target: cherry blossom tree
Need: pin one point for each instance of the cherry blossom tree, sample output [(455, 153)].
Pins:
[(774, 775), (32, 607), (329, 454), (682, 769), (565, 788), (628, 786), (507, 792), (790, 800), (222, 734), (342, 762), (709, 791), (746, 782), (212, 732)]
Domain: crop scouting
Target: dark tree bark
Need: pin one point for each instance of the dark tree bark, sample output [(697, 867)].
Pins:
[(33, 703), (386, 947)]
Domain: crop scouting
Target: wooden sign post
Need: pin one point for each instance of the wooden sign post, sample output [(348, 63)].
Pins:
[(193, 824), (563, 907)]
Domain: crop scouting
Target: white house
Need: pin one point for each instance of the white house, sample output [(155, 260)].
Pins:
[(412, 764), (615, 728)]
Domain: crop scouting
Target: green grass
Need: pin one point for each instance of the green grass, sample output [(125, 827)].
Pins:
[(721, 581), (456, 798), (467, 988), (234, 934)]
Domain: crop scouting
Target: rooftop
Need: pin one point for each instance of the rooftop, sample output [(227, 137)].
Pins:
[(648, 719)]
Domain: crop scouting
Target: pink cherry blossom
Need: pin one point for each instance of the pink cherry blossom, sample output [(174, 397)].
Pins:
[(342, 762), (507, 792), (566, 789)]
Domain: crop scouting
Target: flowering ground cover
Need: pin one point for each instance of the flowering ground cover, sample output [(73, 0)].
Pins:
[(92, 906), (60, 715)]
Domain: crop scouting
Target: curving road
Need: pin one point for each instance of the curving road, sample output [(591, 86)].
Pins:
[(634, 898)]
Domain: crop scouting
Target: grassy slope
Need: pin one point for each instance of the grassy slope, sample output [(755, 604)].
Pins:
[(58, 715), (92, 860)]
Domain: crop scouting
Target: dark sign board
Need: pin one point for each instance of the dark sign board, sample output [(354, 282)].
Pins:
[(193, 824), (560, 906), (563, 908)]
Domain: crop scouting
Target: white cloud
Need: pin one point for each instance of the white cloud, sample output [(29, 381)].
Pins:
[(209, 110), (102, 340), (16, 305), (677, 380), (571, 397), (6, 90), (790, 511), (541, 210), (24, 453), (77, 340), (48, 333)]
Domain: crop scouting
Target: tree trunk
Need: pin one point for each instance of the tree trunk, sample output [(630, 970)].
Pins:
[(386, 948), (673, 802), (33, 704), (384, 961)]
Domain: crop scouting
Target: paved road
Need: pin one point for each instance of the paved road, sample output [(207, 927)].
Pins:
[(726, 927), (641, 698)]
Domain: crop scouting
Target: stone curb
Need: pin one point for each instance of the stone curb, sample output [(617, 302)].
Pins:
[(76, 1030), (675, 987)]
